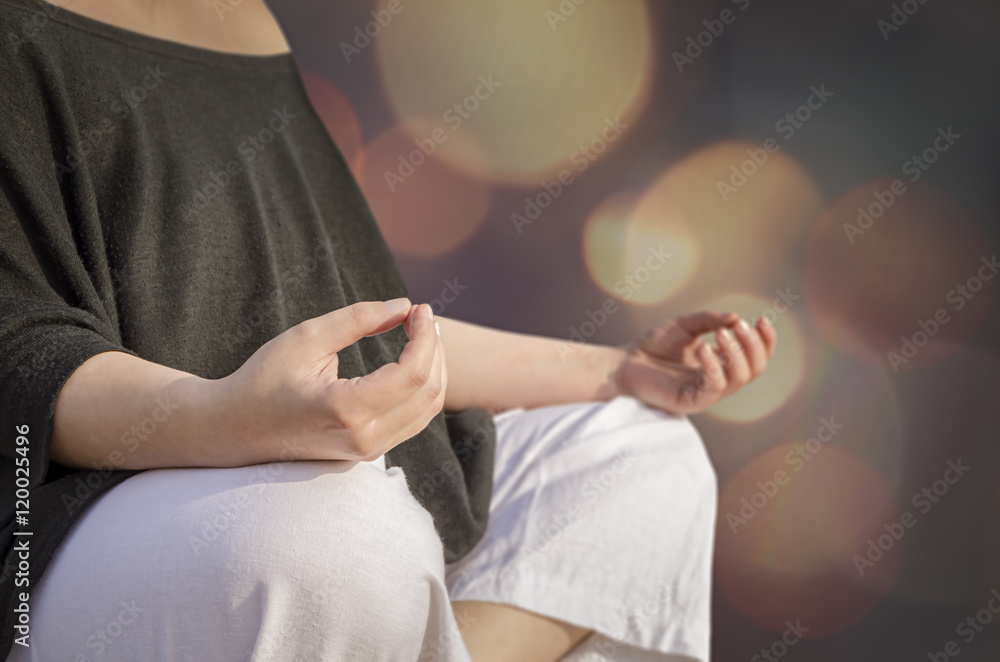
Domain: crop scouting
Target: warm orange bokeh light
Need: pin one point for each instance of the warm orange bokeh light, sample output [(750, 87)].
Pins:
[(338, 115), (424, 207), (787, 543)]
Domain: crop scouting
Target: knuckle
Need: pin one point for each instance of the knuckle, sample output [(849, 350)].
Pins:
[(362, 444), (435, 389), (715, 382), (419, 374), (351, 419), (359, 312), (304, 331), (713, 373), (373, 455)]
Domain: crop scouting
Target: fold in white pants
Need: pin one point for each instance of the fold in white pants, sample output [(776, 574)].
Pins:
[(602, 515)]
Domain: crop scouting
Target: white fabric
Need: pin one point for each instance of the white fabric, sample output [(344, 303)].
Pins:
[(337, 560), (284, 562), (603, 515)]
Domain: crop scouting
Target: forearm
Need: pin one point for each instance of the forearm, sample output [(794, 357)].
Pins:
[(130, 413), (499, 370)]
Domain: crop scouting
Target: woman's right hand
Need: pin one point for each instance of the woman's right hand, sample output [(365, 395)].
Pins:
[(288, 402)]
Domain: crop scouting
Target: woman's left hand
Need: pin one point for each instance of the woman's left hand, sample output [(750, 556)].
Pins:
[(672, 369)]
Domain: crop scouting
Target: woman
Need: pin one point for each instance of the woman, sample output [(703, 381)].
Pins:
[(210, 368)]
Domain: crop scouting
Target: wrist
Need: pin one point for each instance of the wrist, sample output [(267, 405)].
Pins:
[(608, 363), (220, 430)]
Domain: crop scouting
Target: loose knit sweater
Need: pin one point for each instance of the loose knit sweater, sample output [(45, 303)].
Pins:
[(184, 206)]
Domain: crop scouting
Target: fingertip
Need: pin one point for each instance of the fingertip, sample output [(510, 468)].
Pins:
[(726, 338), (768, 333), (396, 306), (766, 328)]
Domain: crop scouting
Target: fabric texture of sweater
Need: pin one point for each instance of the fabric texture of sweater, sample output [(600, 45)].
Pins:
[(184, 206)]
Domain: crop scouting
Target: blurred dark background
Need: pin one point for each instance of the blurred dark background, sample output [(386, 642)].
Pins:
[(854, 299)]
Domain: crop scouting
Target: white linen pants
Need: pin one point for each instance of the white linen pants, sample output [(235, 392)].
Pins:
[(602, 515)]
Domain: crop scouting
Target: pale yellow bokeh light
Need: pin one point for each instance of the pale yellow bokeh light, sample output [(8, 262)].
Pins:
[(640, 261), (741, 232), (531, 89), (784, 371)]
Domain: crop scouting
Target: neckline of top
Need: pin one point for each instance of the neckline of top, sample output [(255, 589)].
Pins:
[(50, 11)]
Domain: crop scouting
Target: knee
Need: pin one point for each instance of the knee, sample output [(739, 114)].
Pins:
[(669, 445), (352, 550), (315, 537), (684, 436), (363, 518), (274, 558)]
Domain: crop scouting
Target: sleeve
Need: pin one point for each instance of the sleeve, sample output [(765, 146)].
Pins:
[(57, 305)]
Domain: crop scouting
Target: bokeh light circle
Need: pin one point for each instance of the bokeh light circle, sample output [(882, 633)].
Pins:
[(883, 260), (784, 372), (423, 207), (787, 543), (858, 398), (742, 233), (639, 260), (530, 88), (338, 116)]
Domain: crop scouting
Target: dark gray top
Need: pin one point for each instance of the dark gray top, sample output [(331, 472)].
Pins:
[(184, 206)]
